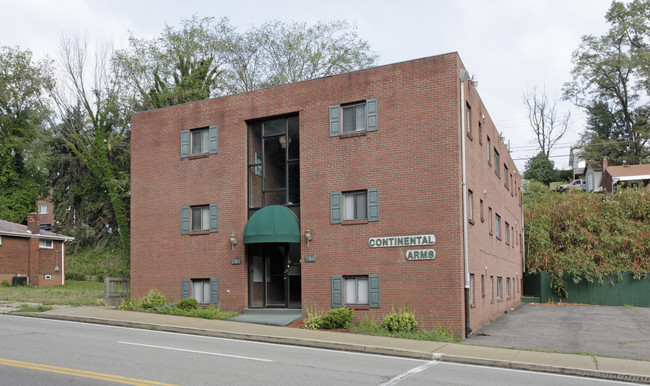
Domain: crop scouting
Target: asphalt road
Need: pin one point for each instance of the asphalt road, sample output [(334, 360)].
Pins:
[(49, 352), (599, 330)]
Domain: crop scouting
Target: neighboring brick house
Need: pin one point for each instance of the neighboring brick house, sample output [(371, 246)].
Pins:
[(348, 190), (615, 177), (45, 212), (32, 253)]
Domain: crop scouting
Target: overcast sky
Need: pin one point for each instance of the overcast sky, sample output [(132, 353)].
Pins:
[(509, 45)]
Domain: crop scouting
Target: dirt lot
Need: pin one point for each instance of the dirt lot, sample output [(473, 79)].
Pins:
[(622, 332)]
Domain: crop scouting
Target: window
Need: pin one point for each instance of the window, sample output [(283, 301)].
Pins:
[(353, 118), (42, 209), (468, 114), (0, 240), (491, 288), (481, 209), (356, 291), (356, 205), (505, 176), (199, 141), (480, 133), (508, 287), (200, 218), (48, 244), (507, 227), (483, 286), (498, 287), (470, 210), (489, 150), (498, 221), (471, 289), (490, 219), (496, 163), (205, 291)]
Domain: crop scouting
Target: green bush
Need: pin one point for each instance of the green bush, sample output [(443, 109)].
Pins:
[(130, 305), (314, 320), (402, 320), (5, 283), (337, 318), (188, 304), (153, 299)]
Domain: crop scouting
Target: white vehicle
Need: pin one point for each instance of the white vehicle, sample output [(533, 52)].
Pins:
[(575, 184)]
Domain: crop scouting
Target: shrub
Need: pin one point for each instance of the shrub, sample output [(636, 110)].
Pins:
[(314, 320), (130, 305), (188, 304), (5, 283), (337, 318), (153, 299), (402, 320)]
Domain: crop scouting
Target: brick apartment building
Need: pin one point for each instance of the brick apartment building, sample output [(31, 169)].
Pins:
[(375, 189), (30, 255)]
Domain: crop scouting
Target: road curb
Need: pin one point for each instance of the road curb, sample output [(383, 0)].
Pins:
[(350, 347)]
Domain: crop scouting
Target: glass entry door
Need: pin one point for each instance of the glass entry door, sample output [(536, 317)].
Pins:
[(274, 277)]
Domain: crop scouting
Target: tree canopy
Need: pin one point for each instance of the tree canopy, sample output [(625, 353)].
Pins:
[(611, 81)]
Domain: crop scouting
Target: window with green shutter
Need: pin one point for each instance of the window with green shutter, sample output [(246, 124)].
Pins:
[(337, 291), (200, 218), (200, 141), (354, 205), (353, 117)]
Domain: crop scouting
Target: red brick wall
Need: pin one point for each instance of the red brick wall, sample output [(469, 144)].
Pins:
[(23, 256), (413, 159)]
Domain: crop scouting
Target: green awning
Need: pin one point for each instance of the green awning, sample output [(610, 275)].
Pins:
[(272, 224)]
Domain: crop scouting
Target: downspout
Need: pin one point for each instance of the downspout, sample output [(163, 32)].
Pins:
[(63, 262), (464, 75)]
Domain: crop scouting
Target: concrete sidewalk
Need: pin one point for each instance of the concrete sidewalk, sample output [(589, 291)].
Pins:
[(581, 365)]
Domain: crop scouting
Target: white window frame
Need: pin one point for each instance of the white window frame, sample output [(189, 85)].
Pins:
[(203, 138), (471, 289), (350, 204), (359, 113), (498, 224), (356, 291), (45, 244), (43, 209), (205, 218), (201, 290), (499, 280)]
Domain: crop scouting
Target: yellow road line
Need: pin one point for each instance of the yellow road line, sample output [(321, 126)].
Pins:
[(79, 373)]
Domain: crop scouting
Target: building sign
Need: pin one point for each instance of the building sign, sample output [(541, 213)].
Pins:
[(401, 241), (310, 258), (420, 254)]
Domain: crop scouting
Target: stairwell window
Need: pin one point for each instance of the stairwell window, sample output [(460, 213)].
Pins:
[(498, 287)]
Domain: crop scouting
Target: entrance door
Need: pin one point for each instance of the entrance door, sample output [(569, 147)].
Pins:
[(274, 276)]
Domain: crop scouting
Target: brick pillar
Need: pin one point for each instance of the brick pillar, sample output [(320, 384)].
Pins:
[(33, 223)]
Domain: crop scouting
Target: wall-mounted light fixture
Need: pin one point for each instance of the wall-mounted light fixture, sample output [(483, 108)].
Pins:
[(233, 240), (308, 235), (484, 193)]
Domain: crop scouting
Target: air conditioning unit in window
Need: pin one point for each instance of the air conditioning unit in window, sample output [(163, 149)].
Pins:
[(47, 277)]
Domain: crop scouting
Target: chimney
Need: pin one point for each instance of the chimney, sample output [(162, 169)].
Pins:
[(604, 163), (33, 223)]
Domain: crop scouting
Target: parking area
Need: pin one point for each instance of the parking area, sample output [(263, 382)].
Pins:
[(622, 332)]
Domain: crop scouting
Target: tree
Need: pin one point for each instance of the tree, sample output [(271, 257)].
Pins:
[(544, 120), (24, 109), (95, 128), (540, 168), (611, 80)]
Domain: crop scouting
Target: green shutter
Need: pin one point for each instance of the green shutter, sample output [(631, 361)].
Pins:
[(185, 143), (335, 121), (186, 288), (373, 204), (335, 208), (371, 114), (337, 291), (214, 218), (214, 292), (185, 220), (373, 291), (213, 134)]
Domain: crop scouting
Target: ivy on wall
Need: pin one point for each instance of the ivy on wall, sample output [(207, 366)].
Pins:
[(586, 236)]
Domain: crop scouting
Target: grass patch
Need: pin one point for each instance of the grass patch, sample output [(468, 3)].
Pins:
[(370, 327), (96, 261), (155, 302), (633, 341), (28, 308), (631, 308), (73, 293)]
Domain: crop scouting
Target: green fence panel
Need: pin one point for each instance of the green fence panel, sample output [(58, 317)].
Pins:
[(616, 290)]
